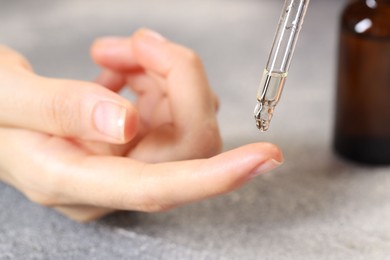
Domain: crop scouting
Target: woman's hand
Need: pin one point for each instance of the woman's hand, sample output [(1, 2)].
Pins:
[(84, 150)]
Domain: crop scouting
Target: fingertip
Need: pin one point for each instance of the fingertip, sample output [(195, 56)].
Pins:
[(102, 46), (149, 35), (117, 122), (256, 152), (241, 164), (114, 53), (150, 50), (131, 124), (107, 41), (272, 151), (270, 158)]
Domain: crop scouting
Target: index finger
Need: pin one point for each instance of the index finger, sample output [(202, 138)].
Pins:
[(56, 172), (122, 183), (190, 95), (191, 99)]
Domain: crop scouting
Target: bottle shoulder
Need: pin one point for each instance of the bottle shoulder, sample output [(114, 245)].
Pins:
[(367, 21)]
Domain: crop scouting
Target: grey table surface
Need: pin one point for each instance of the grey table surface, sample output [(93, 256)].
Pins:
[(316, 206)]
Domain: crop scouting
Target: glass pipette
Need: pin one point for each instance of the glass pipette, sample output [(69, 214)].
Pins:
[(279, 60)]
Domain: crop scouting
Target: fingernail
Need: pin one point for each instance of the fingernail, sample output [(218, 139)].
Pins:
[(109, 119), (108, 41), (152, 35), (110, 46), (266, 167)]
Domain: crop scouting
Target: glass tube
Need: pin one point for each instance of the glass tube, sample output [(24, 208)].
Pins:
[(276, 71)]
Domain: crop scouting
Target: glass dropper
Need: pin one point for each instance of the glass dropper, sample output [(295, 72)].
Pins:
[(276, 71)]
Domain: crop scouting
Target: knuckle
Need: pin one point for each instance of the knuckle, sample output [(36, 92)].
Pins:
[(147, 203), (216, 103), (14, 57), (211, 140), (84, 215), (84, 218), (61, 114), (152, 207), (45, 186), (147, 198), (41, 199), (191, 57), (22, 61), (80, 218)]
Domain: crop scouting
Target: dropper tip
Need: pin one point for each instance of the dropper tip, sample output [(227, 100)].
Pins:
[(263, 115), (262, 125)]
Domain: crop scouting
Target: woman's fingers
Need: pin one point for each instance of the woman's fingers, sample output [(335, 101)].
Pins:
[(115, 53), (122, 183), (194, 132), (62, 107), (55, 172), (182, 70), (112, 80), (188, 102)]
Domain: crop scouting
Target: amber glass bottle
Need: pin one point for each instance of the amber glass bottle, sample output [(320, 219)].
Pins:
[(362, 127)]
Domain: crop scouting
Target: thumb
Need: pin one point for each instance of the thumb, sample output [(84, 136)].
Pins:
[(65, 108)]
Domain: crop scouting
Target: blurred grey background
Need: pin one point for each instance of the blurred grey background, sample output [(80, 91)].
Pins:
[(316, 206)]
